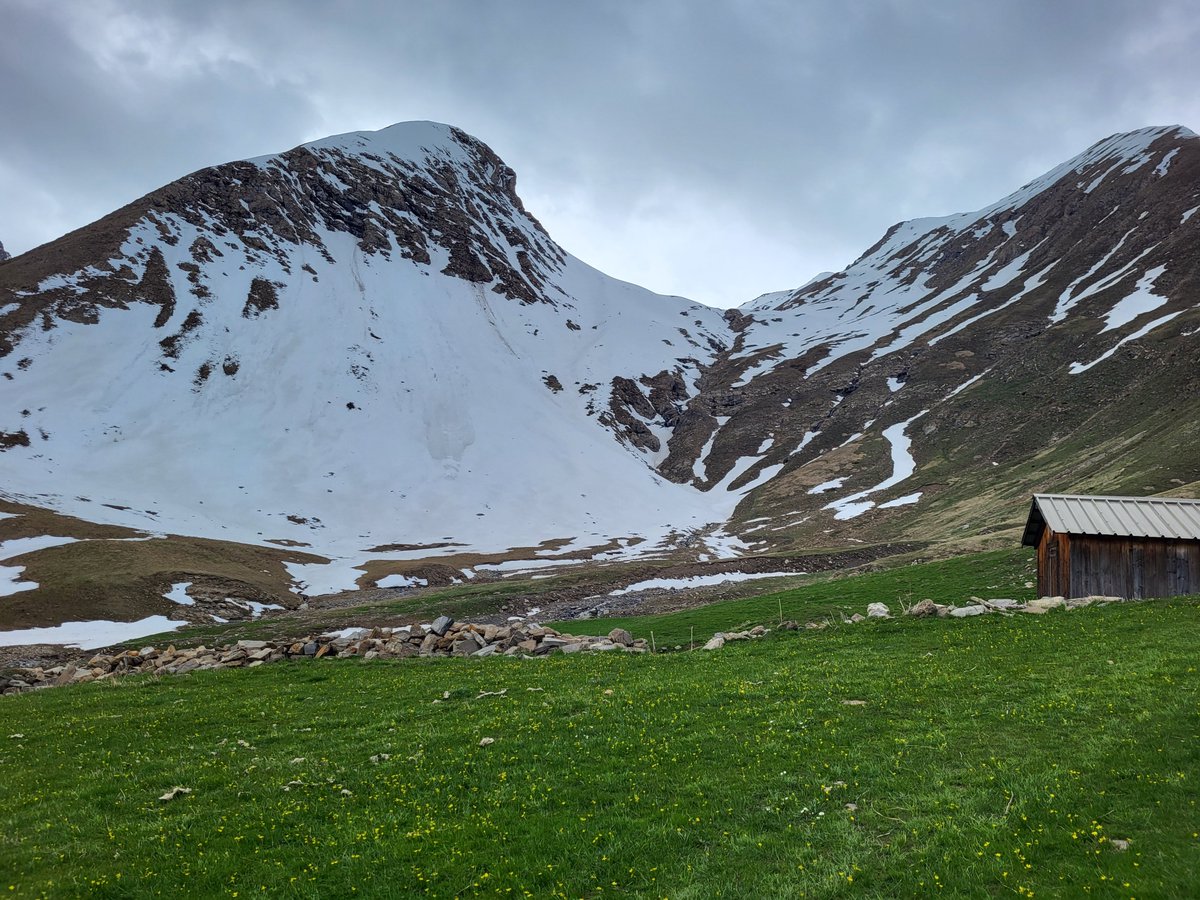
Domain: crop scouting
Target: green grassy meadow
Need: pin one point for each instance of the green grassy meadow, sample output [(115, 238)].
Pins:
[(998, 573), (988, 757)]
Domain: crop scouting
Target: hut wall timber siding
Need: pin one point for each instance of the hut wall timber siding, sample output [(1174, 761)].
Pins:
[(1115, 546)]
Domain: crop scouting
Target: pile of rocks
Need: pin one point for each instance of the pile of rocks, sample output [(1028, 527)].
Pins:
[(444, 637)]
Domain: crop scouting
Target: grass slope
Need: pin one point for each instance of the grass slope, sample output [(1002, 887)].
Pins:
[(992, 756), (1000, 573)]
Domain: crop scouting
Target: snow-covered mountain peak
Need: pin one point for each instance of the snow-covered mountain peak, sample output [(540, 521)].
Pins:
[(412, 141), (364, 340)]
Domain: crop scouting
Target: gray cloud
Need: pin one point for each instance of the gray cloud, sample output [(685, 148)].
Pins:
[(715, 150)]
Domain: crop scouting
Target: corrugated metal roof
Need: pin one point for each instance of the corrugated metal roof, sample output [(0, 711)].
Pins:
[(1155, 517)]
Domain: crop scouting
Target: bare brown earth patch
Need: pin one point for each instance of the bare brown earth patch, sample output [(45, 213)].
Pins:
[(104, 575)]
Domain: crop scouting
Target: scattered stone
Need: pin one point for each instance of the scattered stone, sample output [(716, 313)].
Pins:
[(716, 642), (174, 792), (962, 612), (441, 625), (1002, 604), (851, 807), (854, 703), (1046, 603), (621, 636), (923, 608), (858, 617), (1119, 844), (486, 742), (878, 611)]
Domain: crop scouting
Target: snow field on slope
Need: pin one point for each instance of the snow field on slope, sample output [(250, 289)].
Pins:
[(89, 635), (453, 434)]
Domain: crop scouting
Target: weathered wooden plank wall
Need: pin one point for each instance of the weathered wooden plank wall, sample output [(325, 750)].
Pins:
[(1128, 567)]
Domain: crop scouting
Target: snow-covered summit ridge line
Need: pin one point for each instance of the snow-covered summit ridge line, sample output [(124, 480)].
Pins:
[(913, 282)]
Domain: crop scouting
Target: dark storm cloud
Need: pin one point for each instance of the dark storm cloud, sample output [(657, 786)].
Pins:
[(711, 149)]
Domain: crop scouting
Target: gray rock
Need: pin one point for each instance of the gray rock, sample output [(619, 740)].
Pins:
[(466, 645), (489, 650), (441, 625), (716, 642), (621, 636), (963, 612), (1046, 603), (878, 611), (857, 617), (1002, 604), (251, 645), (924, 608)]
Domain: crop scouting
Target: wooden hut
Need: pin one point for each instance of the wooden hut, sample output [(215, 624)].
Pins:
[(1115, 546)]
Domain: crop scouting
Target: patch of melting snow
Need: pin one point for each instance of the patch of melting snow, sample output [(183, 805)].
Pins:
[(1165, 163), (723, 545), (906, 500), (19, 546), (1077, 368), (12, 583), (698, 581), (354, 632), (89, 635), (1142, 300), (894, 384), (324, 578), (903, 465), (4, 515), (178, 594), (256, 608), (828, 485), (392, 581), (515, 566)]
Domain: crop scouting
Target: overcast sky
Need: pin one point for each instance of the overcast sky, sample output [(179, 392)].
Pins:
[(715, 150)]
